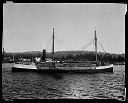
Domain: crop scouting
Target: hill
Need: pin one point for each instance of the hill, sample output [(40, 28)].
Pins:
[(70, 55)]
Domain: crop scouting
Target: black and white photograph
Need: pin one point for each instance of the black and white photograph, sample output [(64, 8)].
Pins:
[(63, 51)]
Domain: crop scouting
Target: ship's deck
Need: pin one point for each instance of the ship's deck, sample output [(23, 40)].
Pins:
[(68, 68)]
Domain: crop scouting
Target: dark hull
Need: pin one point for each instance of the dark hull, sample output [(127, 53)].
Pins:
[(86, 71)]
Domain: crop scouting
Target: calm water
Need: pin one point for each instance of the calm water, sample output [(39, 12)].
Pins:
[(75, 86)]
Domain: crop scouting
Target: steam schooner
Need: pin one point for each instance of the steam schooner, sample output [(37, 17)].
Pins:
[(31, 66)]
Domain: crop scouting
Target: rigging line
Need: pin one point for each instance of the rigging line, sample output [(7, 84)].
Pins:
[(60, 45), (88, 42), (48, 42), (88, 45), (64, 41), (102, 48), (59, 42), (85, 46), (58, 37)]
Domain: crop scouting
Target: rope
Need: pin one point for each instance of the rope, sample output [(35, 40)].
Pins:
[(59, 41), (102, 48), (48, 42), (86, 46), (62, 43)]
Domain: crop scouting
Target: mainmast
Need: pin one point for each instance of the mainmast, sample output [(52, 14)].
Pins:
[(53, 46), (96, 46), (53, 49)]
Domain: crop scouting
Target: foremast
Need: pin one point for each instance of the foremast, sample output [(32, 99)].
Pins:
[(96, 46), (53, 49)]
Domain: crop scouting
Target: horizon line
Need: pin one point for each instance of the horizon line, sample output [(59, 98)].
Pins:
[(61, 51)]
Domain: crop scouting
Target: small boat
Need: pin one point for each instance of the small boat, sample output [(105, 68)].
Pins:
[(24, 66), (56, 69)]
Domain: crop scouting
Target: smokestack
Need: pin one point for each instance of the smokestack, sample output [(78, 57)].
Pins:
[(3, 51), (44, 55)]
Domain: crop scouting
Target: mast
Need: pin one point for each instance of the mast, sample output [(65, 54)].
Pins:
[(53, 46), (53, 49), (96, 46)]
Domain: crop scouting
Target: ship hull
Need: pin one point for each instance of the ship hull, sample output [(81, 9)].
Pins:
[(62, 70)]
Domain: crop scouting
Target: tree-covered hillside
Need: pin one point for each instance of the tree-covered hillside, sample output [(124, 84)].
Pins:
[(68, 55)]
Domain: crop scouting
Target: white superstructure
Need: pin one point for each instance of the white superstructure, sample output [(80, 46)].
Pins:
[(104, 67), (25, 65)]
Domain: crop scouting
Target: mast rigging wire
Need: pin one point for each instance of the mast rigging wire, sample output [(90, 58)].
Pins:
[(81, 49), (61, 40), (102, 48), (48, 42), (85, 46), (88, 45)]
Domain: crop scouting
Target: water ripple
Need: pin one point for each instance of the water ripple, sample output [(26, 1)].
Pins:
[(56, 86)]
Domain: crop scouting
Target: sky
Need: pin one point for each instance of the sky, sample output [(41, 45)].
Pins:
[(29, 27)]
